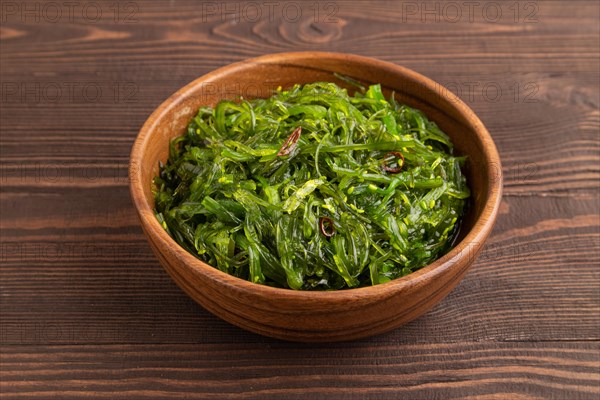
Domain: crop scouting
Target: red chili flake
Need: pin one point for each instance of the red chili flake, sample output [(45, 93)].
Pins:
[(398, 156), (326, 226), (290, 143)]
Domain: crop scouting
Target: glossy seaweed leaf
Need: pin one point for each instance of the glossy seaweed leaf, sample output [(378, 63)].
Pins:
[(313, 188)]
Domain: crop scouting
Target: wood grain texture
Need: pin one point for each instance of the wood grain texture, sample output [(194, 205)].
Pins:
[(283, 370), (75, 269)]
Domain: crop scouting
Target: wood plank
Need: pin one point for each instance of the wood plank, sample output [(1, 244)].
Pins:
[(544, 93), (97, 282), (283, 370)]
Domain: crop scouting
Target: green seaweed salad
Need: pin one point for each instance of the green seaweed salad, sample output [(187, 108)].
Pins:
[(313, 188)]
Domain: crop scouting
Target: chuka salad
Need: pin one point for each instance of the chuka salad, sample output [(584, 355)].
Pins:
[(313, 188)]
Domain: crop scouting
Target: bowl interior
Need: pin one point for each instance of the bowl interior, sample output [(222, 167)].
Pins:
[(260, 77)]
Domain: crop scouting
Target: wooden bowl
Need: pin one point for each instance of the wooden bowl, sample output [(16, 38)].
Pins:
[(318, 316)]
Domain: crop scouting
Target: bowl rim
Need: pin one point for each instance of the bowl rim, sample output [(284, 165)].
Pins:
[(481, 229)]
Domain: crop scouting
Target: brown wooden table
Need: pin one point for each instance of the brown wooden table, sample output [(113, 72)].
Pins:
[(87, 311)]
